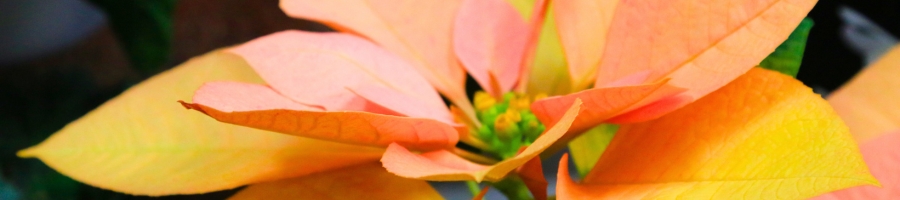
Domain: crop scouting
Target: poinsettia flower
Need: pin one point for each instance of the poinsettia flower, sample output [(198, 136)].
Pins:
[(378, 101), (371, 94), (867, 105), (382, 95)]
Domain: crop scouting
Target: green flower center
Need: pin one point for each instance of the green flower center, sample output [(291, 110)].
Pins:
[(507, 124)]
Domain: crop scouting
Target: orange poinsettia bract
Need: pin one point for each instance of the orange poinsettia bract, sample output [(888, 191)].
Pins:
[(736, 148), (372, 93)]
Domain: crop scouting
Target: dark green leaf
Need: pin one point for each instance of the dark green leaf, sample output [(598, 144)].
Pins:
[(787, 57), (513, 188), (144, 28)]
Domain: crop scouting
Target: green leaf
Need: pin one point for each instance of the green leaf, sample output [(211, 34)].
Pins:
[(587, 148), (144, 28), (787, 57)]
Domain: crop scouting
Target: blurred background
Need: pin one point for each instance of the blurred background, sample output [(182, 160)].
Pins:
[(60, 59)]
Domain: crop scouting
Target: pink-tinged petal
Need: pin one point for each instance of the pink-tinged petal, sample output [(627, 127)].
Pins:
[(440, 165), (883, 158), (602, 104), (700, 46), (236, 96), (536, 26), (333, 70), (633, 79), (367, 181), (611, 105), (419, 31), (389, 98), (344, 126), (583, 26), (445, 166), (490, 37), (545, 68), (653, 110)]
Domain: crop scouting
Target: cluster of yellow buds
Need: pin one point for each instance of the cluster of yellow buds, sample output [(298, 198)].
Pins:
[(507, 123)]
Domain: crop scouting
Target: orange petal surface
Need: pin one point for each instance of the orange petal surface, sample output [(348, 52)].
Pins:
[(868, 103), (532, 173), (369, 181), (334, 70), (583, 25), (481, 194), (142, 143), (490, 37), (420, 31), (349, 127), (765, 135), (444, 166), (600, 104), (701, 46)]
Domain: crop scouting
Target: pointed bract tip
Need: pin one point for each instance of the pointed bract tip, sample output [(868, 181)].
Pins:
[(186, 105), (27, 153), (193, 106)]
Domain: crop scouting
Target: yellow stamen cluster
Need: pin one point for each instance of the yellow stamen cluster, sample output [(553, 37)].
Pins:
[(483, 101), (507, 123)]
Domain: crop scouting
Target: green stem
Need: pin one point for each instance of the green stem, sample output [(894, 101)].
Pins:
[(473, 187), (513, 187)]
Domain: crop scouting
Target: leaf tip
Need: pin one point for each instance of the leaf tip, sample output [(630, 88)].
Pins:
[(30, 152), (563, 169), (186, 105), (871, 180), (192, 106)]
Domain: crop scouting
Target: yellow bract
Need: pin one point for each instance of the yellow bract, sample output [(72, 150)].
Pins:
[(142, 142), (370, 182), (763, 136)]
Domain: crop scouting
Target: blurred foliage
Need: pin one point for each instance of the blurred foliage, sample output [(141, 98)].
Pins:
[(7, 191), (788, 56), (39, 107), (587, 148), (144, 28)]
